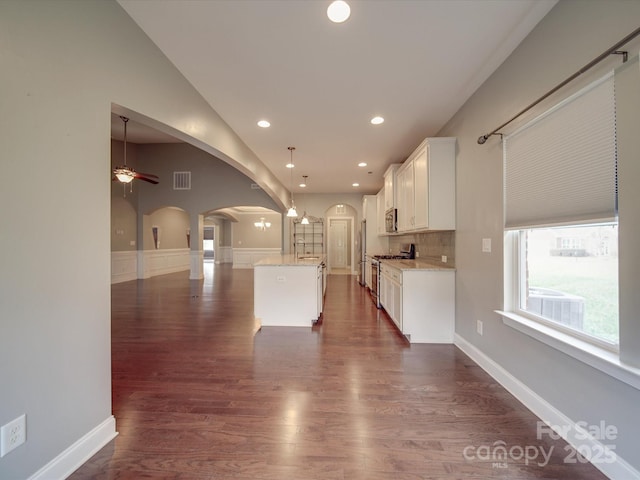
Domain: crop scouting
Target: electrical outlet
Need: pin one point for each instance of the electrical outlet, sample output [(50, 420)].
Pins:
[(444, 259), (486, 245), (13, 434), (417, 254), (479, 326)]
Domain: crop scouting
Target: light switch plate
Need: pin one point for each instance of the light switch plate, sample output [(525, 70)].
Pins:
[(486, 245)]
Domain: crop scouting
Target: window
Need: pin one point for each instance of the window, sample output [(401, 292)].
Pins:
[(568, 279), (561, 218)]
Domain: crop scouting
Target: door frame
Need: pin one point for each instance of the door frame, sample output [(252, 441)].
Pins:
[(350, 227)]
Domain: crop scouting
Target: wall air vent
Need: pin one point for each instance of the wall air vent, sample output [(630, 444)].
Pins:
[(182, 180), (255, 186)]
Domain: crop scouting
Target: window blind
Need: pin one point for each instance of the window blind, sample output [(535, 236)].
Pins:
[(560, 168)]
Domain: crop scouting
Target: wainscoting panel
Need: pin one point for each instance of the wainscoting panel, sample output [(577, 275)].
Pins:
[(124, 266), (161, 262), (224, 255), (131, 265)]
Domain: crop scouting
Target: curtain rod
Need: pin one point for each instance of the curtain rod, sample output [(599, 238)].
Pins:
[(592, 63)]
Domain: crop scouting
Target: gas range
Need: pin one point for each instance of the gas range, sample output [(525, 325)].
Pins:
[(391, 257), (407, 251)]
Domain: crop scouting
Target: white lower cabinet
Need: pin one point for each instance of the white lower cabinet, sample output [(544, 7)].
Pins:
[(391, 290), (420, 302)]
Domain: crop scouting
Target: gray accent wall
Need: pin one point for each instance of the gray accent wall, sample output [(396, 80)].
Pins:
[(214, 183), (571, 35)]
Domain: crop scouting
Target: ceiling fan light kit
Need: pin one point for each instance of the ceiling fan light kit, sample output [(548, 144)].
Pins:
[(124, 173)]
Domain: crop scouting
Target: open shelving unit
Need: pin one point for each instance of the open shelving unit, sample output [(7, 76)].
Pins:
[(308, 240)]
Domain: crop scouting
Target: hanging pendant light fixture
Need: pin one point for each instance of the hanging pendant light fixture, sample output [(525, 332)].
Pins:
[(305, 219), (292, 209)]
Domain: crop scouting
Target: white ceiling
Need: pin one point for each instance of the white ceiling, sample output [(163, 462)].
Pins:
[(414, 62)]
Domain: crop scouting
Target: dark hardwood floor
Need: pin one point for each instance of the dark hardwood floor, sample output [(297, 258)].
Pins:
[(200, 393)]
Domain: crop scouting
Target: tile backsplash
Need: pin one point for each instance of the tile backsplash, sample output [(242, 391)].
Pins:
[(429, 245)]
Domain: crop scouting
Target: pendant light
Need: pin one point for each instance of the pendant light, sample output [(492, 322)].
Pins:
[(292, 209), (305, 219)]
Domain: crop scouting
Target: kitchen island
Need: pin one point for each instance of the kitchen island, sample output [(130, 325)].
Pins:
[(288, 291)]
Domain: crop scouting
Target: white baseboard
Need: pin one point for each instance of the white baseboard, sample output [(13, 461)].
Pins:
[(77, 454), (573, 433)]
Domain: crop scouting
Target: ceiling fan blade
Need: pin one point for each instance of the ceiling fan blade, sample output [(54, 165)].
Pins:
[(150, 175), (146, 179)]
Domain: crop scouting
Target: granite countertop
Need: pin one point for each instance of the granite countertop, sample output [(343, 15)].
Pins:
[(418, 264), (291, 261)]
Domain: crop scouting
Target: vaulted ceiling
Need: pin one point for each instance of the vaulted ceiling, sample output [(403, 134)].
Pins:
[(413, 62)]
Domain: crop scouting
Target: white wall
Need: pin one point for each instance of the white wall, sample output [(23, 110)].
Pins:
[(64, 63), (572, 34)]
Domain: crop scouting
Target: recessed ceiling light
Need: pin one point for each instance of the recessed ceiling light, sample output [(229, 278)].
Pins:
[(362, 164), (377, 120), (264, 124), (355, 184), (338, 11)]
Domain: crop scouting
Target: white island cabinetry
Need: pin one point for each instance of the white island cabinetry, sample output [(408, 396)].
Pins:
[(420, 299), (288, 291)]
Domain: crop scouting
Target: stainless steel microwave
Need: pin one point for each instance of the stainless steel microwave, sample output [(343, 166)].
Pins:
[(391, 220)]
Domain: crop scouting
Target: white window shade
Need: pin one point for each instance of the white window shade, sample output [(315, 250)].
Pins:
[(560, 168)]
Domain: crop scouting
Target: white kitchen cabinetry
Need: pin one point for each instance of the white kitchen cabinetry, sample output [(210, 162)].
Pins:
[(391, 292), (406, 201), (319, 291), (427, 187), (390, 186), (421, 302), (380, 211), (288, 291)]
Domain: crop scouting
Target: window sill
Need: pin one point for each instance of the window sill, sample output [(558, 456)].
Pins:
[(596, 357)]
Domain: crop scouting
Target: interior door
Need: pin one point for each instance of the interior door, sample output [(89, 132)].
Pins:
[(338, 243)]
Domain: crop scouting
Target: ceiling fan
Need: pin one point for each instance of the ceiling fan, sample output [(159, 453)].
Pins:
[(126, 174)]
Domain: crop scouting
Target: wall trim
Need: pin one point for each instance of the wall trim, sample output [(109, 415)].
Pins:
[(163, 261), (247, 257), (124, 266), (131, 265), (77, 454), (223, 254), (575, 435)]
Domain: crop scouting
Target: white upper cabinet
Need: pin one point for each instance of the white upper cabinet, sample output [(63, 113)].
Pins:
[(406, 193), (380, 211), (390, 194), (427, 187)]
